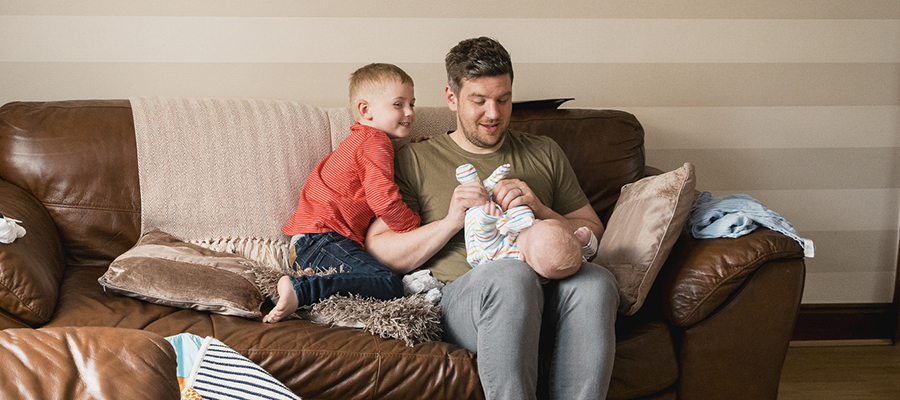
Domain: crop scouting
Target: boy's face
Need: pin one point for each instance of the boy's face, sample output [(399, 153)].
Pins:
[(392, 110)]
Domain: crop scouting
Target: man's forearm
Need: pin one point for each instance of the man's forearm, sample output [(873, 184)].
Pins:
[(404, 252), (584, 216)]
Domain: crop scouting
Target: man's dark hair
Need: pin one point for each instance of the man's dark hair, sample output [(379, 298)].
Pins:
[(475, 58)]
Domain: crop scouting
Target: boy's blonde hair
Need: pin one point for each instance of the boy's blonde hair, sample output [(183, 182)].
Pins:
[(369, 81)]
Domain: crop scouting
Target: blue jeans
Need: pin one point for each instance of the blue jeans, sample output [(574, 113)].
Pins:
[(498, 309), (358, 272)]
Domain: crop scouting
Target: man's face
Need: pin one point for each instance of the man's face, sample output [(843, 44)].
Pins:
[(483, 108)]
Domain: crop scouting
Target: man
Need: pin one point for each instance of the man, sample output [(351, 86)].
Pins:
[(498, 310)]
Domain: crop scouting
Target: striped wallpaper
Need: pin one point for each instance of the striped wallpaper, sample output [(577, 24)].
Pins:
[(796, 103)]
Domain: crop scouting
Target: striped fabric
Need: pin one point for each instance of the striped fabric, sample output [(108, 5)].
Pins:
[(488, 237), (350, 187), (491, 238), (223, 374), (466, 173)]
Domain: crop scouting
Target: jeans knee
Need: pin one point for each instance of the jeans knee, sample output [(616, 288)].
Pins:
[(512, 280), (395, 285), (606, 288)]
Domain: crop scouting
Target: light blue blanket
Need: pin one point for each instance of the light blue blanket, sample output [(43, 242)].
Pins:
[(735, 215)]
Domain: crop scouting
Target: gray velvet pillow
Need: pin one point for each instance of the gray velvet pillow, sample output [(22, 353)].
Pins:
[(164, 270), (642, 229)]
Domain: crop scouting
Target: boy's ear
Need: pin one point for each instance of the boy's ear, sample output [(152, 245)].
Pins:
[(451, 98), (362, 107)]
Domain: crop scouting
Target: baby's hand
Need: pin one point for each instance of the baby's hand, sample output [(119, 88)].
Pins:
[(584, 235)]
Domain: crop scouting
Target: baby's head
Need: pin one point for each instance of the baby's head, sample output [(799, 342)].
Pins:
[(382, 96), (550, 249)]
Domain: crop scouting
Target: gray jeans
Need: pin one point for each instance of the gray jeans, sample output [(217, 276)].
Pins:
[(497, 310)]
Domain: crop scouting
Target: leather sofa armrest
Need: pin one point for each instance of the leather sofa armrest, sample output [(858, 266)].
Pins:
[(88, 362), (701, 274), (32, 266)]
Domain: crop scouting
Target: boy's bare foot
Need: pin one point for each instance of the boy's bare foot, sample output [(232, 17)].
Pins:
[(287, 301)]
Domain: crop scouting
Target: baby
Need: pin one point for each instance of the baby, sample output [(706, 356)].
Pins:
[(547, 246)]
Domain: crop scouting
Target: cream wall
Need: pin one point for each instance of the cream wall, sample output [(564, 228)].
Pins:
[(796, 103)]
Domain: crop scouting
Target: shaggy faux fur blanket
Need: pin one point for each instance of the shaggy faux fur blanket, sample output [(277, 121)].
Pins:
[(412, 318)]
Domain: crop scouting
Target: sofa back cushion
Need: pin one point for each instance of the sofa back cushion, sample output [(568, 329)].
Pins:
[(79, 159)]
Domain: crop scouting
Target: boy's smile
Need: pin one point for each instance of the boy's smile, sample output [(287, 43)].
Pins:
[(392, 111)]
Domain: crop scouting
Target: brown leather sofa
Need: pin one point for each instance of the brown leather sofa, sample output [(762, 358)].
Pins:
[(716, 324)]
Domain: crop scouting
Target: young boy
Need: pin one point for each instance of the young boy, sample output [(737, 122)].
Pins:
[(552, 251), (346, 190)]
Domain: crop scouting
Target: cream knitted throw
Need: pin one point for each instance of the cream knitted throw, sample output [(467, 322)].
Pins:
[(214, 169)]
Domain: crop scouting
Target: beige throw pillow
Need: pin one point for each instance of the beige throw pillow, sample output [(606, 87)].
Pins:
[(164, 270), (642, 229)]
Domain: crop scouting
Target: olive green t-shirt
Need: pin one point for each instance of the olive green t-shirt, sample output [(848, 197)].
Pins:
[(426, 175)]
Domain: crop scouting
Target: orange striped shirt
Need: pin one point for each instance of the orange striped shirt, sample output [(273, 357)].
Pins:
[(350, 187)]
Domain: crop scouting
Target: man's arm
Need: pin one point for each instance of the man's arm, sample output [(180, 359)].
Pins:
[(404, 252)]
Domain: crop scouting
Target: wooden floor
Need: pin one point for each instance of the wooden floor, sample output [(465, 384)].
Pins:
[(841, 371)]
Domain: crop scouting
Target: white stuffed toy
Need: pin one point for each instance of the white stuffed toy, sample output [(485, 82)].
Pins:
[(10, 229), (422, 282)]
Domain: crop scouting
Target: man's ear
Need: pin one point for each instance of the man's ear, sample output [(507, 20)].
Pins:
[(452, 100)]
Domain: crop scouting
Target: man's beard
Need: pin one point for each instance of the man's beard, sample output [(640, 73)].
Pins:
[(477, 140)]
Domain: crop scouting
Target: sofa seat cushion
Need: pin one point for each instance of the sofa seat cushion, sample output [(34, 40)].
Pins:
[(313, 360), (319, 361), (646, 362)]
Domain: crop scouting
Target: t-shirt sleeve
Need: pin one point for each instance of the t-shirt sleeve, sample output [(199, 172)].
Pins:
[(402, 173)]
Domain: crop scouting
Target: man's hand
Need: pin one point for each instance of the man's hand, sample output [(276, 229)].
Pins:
[(511, 193), (465, 197), (492, 209)]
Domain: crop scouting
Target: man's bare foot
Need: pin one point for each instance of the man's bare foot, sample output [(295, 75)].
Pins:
[(287, 301)]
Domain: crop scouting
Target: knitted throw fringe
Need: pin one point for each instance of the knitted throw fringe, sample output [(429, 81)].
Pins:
[(272, 254)]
